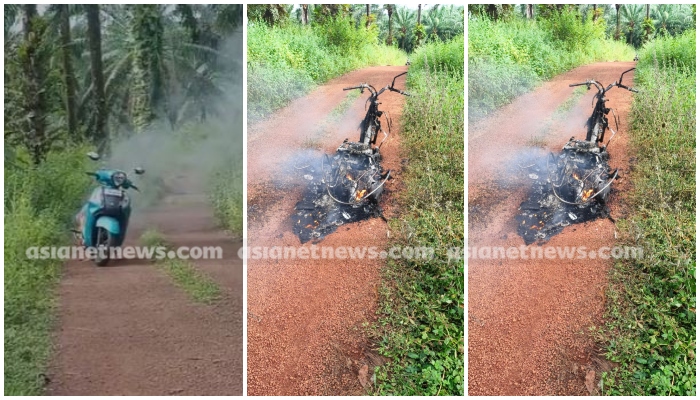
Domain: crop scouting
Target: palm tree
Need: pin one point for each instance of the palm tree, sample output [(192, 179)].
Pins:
[(617, 25), (390, 10), (305, 14), (147, 94), (99, 134), (35, 98), (633, 16), (68, 73), (405, 21)]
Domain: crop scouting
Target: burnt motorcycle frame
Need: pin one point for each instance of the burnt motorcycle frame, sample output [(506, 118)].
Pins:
[(598, 123), (371, 124)]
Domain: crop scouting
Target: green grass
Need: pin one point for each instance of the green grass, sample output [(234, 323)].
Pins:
[(186, 276), (421, 312), (39, 203), (650, 313), (286, 62), (226, 195), (509, 58)]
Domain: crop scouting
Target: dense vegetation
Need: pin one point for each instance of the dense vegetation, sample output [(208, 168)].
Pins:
[(128, 80), (421, 323), (510, 56), (292, 49), (651, 328)]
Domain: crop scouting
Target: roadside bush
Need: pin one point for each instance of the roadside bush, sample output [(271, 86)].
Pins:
[(226, 195), (650, 314), (421, 311), (508, 58), (39, 205)]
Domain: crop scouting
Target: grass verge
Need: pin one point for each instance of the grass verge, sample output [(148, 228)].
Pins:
[(421, 312), (39, 203), (650, 325), (187, 277)]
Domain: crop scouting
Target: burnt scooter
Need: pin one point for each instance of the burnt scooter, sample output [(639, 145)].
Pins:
[(351, 180), (578, 181)]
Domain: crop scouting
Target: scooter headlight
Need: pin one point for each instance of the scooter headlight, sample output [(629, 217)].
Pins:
[(118, 178)]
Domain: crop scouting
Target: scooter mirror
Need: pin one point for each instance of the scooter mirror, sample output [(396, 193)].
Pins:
[(139, 171), (93, 156)]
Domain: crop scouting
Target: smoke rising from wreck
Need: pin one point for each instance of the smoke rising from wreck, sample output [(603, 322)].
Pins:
[(182, 160)]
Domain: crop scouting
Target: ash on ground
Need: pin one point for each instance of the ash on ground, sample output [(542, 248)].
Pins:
[(343, 188), (569, 188)]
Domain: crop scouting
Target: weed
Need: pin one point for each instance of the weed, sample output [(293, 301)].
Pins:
[(39, 204), (421, 312), (198, 286), (650, 313)]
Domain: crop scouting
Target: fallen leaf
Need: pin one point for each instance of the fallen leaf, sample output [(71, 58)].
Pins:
[(362, 375), (590, 381)]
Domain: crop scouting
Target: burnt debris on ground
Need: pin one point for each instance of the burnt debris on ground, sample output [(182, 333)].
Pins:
[(568, 188), (342, 188)]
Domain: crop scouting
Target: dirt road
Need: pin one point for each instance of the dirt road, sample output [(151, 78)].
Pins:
[(126, 329), (305, 333), (529, 319)]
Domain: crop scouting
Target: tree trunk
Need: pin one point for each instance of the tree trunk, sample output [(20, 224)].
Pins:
[(390, 39), (305, 14), (595, 12), (367, 23), (35, 100), (99, 133), (529, 11), (419, 9), (68, 74), (147, 87), (617, 24), (648, 11)]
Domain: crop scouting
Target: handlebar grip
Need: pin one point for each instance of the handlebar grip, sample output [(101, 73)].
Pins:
[(633, 90), (578, 84)]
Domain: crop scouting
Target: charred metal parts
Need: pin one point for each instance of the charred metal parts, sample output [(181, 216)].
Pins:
[(573, 189), (347, 190)]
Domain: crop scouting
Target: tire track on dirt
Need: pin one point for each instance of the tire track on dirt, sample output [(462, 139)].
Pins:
[(529, 318), (305, 316), (126, 329)]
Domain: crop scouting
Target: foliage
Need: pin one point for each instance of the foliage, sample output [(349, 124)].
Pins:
[(39, 201), (650, 314), (271, 14), (664, 20), (508, 58), (286, 62), (421, 313), (158, 61), (226, 195)]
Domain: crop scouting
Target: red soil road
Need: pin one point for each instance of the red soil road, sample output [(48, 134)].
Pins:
[(305, 334), (126, 329), (529, 319)]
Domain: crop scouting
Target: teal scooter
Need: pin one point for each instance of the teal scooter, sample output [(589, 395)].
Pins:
[(103, 220)]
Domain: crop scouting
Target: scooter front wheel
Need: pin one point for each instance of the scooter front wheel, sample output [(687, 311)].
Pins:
[(105, 242)]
